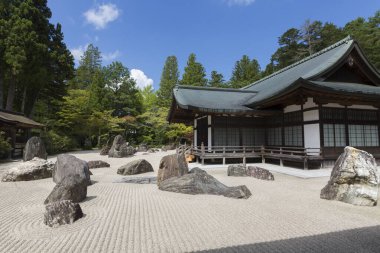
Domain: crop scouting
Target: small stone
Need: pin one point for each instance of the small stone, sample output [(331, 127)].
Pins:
[(135, 167), (61, 213), (260, 173), (97, 164)]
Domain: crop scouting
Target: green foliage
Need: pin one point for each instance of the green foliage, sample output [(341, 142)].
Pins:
[(194, 74), (245, 72), (177, 131), (5, 147), (58, 143), (216, 80), (169, 78)]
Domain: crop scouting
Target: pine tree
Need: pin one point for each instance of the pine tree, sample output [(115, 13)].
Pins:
[(216, 80), (194, 73), (169, 78), (245, 72)]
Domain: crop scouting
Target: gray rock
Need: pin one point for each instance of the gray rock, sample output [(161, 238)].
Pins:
[(70, 165), (172, 166), (260, 173), (61, 213), (34, 169), (105, 150), (34, 147), (151, 150), (354, 179), (71, 187), (236, 170), (120, 148), (199, 182), (135, 167), (97, 164), (142, 148), (137, 180)]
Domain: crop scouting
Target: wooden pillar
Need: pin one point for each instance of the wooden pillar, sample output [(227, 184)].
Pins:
[(224, 155), (281, 162), (209, 132), (203, 153), (262, 154), (195, 133), (305, 167)]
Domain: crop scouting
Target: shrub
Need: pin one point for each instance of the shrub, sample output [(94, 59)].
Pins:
[(5, 147), (56, 143)]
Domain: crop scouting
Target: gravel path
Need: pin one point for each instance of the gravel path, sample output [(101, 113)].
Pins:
[(285, 215)]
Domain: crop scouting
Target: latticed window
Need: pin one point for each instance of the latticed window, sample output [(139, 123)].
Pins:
[(253, 136), (363, 135), (220, 136), (293, 136), (293, 117), (362, 115), (333, 114), (334, 135), (274, 136)]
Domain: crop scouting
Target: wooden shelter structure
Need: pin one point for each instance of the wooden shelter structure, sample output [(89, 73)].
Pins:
[(17, 128), (306, 112)]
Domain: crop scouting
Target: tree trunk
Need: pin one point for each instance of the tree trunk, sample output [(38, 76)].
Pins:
[(1, 93), (23, 103), (11, 93)]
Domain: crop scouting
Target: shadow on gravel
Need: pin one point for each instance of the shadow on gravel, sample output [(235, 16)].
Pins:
[(89, 198), (365, 239)]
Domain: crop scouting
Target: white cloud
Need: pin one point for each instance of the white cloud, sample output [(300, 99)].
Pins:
[(78, 52), (102, 15), (111, 56), (240, 2), (141, 79)]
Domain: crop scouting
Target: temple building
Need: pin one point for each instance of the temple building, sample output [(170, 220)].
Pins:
[(307, 112)]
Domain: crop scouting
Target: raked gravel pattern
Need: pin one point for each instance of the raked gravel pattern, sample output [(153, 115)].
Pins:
[(285, 215)]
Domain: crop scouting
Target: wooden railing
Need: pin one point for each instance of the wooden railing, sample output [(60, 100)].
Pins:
[(282, 153)]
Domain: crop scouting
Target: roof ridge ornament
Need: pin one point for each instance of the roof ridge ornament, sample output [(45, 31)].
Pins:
[(341, 42)]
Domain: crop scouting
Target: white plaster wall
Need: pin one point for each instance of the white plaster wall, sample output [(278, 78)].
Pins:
[(367, 107), (311, 115), (309, 103), (333, 105), (209, 119), (312, 136), (292, 108)]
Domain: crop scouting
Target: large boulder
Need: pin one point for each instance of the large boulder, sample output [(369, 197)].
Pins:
[(62, 212), (70, 165), (34, 169), (199, 182), (172, 166), (97, 164), (120, 148), (354, 179), (34, 147), (71, 187), (135, 167), (237, 170)]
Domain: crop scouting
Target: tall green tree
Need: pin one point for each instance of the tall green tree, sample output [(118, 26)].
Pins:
[(367, 33), (194, 73), (245, 72), (169, 78), (217, 80), (89, 66), (311, 36)]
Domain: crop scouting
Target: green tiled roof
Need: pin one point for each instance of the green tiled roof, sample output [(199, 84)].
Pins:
[(215, 100), (306, 69), (348, 87)]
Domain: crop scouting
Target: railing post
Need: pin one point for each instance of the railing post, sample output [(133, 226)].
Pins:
[(262, 154), (281, 162)]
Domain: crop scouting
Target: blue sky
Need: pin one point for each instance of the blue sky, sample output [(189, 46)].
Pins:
[(142, 33)]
